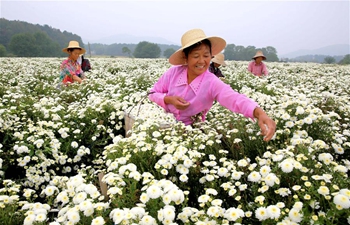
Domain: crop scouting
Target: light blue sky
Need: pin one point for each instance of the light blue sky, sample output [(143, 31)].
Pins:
[(286, 25)]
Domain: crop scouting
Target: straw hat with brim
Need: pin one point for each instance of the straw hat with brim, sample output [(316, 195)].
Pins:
[(258, 54), (219, 59), (74, 44), (192, 37)]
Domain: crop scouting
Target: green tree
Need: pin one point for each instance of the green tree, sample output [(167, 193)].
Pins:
[(126, 50), (168, 52), (45, 46), (229, 52), (249, 53), (146, 49), (2, 51), (329, 60), (270, 54), (345, 60), (23, 45)]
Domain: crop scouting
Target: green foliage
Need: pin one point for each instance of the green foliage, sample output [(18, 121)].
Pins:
[(146, 49), (168, 52), (52, 47), (345, 60), (241, 53), (46, 47), (23, 44), (127, 50), (329, 60), (2, 51)]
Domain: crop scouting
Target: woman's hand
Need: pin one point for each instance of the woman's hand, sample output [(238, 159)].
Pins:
[(176, 101), (266, 124)]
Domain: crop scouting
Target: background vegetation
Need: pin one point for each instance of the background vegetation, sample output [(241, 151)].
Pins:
[(18, 38)]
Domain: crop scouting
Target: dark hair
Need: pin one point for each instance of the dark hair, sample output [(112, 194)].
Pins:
[(72, 49), (188, 50)]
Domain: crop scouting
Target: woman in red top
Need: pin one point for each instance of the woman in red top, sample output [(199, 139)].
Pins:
[(70, 68)]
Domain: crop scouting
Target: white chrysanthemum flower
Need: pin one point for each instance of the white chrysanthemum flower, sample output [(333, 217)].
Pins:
[(261, 213), (144, 198), (74, 144), (215, 211), (283, 192), (183, 178), (156, 134), (323, 190), (63, 197), (326, 158), (345, 192), (287, 165), (73, 216), (295, 215), (98, 221), (338, 149), (273, 212), (223, 172), (271, 179), (85, 205), (154, 192), (40, 217), (216, 202), (233, 214), (254, 176), (236, 175), (147, 220), (298, 205), (29, 219), (341, 168), (242, 163), (203, 198), (342, 200), (169, 213), (265, 170), (78, 198), (50, 190), (117, 215)]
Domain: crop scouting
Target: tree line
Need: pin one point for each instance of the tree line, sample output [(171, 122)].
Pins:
[(22, 39)]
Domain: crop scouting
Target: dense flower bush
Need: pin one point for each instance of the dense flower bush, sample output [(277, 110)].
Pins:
[(57, 143)]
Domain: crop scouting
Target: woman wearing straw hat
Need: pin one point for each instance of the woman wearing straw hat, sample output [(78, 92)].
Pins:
[(70, 68), (257, 67), (188, 90), (217, 61)]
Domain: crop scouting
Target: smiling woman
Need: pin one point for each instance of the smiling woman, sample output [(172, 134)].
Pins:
[(188, 89)]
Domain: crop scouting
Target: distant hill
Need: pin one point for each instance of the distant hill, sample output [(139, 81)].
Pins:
[(56, 39), (314, 58), (331, 50)]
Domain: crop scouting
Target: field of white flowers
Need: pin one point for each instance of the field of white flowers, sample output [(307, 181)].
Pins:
[(55, 143)]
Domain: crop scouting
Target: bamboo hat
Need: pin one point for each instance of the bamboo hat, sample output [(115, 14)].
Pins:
[(219, 59), (74, 44), (258, 54), (192, 37)]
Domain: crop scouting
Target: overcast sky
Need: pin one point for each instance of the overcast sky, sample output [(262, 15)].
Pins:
[(286, 25)]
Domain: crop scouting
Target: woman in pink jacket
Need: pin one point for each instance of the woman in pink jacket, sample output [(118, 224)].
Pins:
[(257, 67), (188, 90)]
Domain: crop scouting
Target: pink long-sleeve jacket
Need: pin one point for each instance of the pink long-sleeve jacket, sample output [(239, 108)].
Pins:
[(200, 93)]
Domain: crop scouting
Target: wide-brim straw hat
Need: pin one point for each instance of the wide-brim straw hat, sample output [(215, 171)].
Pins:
[(219, 59), (192, 37), (74, 44), (258, 54)]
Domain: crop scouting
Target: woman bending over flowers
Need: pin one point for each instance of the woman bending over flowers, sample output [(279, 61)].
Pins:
[(188, 88), (70, 69)]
